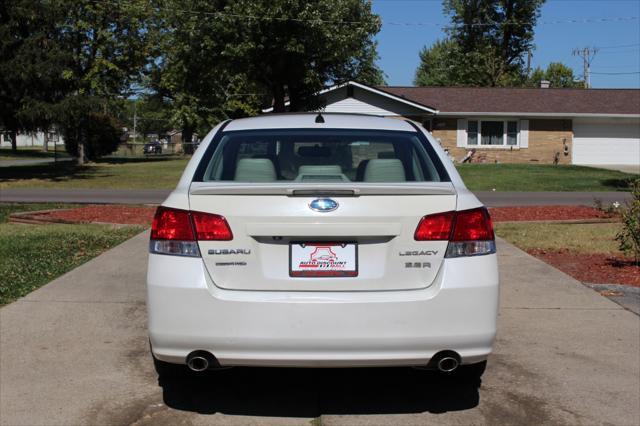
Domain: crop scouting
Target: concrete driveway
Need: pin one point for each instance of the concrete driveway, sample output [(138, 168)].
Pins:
[(75, 352)]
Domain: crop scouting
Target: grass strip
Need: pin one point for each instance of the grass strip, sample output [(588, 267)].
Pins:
[(33, 255), (581, 238), (542, 177)]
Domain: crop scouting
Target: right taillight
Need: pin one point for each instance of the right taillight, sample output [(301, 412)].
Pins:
[(470, 232), (176, 232)]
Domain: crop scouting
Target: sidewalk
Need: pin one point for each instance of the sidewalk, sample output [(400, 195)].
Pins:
[(75, 352), (156, 196)]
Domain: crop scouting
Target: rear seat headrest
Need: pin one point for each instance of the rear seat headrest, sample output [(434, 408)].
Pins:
[(326, 169), (384, 170), (255, 170)]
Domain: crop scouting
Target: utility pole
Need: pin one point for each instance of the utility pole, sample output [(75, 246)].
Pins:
[(587, 54), (135, 120)]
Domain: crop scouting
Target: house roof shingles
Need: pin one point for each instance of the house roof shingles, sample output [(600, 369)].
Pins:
[(518, 100)]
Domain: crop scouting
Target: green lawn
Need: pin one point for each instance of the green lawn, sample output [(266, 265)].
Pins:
[(125, 173), (163, 172), (539, 177), (33, 255), (583, 238)]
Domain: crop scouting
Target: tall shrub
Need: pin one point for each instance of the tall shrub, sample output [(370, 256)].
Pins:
[(629, 236)]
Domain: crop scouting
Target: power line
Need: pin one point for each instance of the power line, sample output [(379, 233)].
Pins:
[(619, 46), (617, 67), (616, 73), (615, 52)]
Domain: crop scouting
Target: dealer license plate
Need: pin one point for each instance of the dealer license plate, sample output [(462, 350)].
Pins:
[(323, 260)]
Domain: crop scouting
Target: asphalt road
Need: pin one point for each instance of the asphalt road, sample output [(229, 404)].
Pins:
[(156, 196), (75, 352), (30, 162)]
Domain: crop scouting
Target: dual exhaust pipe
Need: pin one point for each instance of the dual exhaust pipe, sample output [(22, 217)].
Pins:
[(445, 362), (198, 361)]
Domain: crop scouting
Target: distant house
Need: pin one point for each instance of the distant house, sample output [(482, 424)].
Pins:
[(34, 139), (541, 125)]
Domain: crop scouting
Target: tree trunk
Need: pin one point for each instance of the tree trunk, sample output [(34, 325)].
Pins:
[(295, 101), (81, 156), (278, 98), (187, 137), (14, 140), (81, 146), (45, 140)]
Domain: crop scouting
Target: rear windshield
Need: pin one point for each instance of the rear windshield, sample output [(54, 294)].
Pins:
[(320, 156)]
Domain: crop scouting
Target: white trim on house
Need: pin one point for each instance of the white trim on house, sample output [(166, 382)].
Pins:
[(463, 133), (372, 90)]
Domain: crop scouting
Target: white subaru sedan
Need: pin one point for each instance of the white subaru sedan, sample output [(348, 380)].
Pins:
[(322, 240)]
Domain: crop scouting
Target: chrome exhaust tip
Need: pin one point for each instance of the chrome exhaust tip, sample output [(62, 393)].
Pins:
[(447, 364), (197, 363), (200, 361)]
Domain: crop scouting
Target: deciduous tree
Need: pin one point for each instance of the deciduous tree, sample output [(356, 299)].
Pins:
[(294, 48), (107, 49), (558, 75), (31, 64), (487, 43)]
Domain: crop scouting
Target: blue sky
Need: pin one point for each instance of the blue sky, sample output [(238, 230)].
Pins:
[(399, 43)]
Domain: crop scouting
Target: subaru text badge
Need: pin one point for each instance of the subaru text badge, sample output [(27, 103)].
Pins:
[(323, 205)]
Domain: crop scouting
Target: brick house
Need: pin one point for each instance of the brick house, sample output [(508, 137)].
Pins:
[(510, 125)]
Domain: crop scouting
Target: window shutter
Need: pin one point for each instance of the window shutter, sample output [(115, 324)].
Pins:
[(462, 133), (524, 133)]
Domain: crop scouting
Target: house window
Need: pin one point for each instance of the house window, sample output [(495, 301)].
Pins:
[(472, 133), (512, 133), (492, 133)]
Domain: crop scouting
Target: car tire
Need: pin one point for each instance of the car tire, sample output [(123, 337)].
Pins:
[(167, 370), (471, 372)]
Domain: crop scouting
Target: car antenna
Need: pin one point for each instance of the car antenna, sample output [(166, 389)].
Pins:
[(319, 118)]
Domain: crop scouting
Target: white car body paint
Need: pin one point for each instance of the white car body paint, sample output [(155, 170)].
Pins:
[(257, 315)]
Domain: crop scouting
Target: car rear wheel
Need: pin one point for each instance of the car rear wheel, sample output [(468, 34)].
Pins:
[(471, 372), (167, 369)]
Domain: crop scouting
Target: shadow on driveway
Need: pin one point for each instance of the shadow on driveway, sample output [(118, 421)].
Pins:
[(284, 392)]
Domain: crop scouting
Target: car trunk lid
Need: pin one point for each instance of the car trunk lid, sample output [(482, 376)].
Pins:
[(377, 222)]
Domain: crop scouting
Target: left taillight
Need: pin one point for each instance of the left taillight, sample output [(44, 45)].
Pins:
[(176, 232)]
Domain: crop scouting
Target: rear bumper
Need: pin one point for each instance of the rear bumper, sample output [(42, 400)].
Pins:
[(322, 329)]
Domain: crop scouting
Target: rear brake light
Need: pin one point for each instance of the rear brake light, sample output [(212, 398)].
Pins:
[(211, 227), (176, 231), (470, 232), (473, 225), (435, 227), (172, 224)]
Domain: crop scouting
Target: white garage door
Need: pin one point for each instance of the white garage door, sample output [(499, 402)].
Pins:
[(606, 142)]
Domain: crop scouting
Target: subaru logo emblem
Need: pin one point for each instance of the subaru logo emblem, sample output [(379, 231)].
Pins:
[(323, 205)]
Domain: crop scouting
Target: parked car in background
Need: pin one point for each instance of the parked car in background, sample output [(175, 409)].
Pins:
[(154, 147), (330, 240)]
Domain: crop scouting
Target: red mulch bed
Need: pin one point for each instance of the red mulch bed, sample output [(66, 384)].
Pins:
[(592, 268), (142, 215), (127, 215), (543, 213)]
